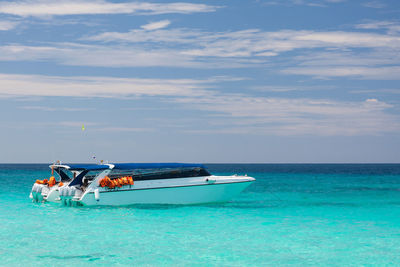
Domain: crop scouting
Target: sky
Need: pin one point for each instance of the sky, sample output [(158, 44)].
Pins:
[(257, 81)]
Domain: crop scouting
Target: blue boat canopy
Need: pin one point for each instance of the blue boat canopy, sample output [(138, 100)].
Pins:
[(89, 167), (132, 166), (86, 168), (127, 166)]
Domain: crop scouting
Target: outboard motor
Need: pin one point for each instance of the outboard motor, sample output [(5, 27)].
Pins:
[(67, 193), (38, 192)]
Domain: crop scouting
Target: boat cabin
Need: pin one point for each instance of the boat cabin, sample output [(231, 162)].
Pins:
[(85, 174)]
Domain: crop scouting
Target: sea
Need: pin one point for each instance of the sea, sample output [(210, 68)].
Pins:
[(293, 214)]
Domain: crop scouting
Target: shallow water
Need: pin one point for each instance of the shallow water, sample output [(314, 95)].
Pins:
[(293, 214)]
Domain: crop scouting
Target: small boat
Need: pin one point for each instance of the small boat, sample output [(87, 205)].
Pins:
[(138, 183)]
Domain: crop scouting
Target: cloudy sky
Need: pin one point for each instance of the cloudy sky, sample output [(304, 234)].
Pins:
[(205, 81)]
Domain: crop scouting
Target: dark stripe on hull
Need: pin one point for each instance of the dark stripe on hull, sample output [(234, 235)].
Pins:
[(168, 187)]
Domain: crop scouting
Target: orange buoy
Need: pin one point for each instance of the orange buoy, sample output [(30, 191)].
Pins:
[(60, 184), (130, 180), (39, 182), (45, 181)]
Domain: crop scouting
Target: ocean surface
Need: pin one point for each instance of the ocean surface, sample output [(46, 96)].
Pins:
[(294, 214)]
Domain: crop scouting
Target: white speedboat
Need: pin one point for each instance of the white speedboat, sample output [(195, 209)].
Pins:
[(144, 183)]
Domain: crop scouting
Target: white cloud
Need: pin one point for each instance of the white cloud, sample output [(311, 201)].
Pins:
[(374, 4), (379, 64), (96, 55), (225, 112), (37, 85), (251, 42), (346, 39), (290, 116), (112, 56), (377, 57), (140, 35), (284, 89), (45, 8), (391, 26), (48, 108), (196, 49), (378, 73), (347, 53), (377, 91), (336, 51), (156, 25), (7, 25), (311, 3)]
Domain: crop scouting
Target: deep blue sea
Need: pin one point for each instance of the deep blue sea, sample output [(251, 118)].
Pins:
[(294, 214)]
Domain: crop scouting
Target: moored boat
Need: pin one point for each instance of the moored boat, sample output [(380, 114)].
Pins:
[(143, 183)]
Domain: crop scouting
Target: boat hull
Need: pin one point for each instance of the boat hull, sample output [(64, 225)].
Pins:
[(185, 194)]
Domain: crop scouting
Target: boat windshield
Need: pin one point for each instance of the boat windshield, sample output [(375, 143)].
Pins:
[(91, 175), (64, 174), (154, 174)]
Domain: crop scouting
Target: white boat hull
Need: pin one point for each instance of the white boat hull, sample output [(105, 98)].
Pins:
[(195, 193)]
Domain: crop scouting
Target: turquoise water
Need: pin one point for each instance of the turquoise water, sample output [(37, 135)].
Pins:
[(292, 215)]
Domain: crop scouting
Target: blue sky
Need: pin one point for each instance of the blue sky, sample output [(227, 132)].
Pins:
[(206, 81)]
